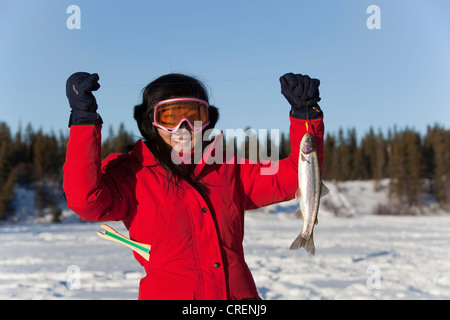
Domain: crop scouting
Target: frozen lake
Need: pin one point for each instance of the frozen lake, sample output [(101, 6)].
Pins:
[(364, 257)]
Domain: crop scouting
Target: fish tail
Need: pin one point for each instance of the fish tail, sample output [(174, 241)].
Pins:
[(301, 242)]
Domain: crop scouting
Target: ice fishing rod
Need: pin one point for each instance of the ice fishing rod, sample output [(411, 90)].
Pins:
[(140, 248)]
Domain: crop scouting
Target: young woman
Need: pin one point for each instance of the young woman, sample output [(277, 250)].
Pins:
[(192, 214)]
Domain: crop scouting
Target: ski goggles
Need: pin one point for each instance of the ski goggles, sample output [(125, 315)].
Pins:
[(170, 114)]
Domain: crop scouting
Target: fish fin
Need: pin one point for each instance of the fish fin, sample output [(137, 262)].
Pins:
[(298, 193), (298, 243), (299, 214), (317, 221), (308, 245), (324, 190), (303, 158)]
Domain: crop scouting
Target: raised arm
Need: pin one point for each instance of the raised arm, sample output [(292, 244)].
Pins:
[(302, 93), (91, 192)]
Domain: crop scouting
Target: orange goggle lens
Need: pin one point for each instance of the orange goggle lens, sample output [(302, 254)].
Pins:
[(169, 113)]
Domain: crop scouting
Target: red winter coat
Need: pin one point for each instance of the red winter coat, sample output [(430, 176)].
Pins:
[(196, 242)]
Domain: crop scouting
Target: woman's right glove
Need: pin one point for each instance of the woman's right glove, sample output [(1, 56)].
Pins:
[(302, 93), (79, 87)]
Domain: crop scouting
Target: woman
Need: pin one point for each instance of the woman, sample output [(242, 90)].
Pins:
[(192, 214)]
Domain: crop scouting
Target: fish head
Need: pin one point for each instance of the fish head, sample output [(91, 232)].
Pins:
[(308, 144)]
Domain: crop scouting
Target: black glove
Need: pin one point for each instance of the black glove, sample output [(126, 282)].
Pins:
[(79, 89), (302, 92)]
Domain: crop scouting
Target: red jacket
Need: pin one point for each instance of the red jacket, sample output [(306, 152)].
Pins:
[(197, 250)]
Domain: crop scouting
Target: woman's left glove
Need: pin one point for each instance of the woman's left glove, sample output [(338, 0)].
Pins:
[(79, 89), (302, 93)]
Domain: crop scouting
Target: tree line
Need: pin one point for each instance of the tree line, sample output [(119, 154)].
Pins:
[(417, 166), (34, 159)]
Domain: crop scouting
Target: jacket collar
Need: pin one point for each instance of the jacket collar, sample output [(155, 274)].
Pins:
[(147, 159)]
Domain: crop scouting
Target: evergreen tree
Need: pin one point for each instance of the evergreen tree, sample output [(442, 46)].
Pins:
[(368, 147), (437, 148), (405, 189), (355, 157), (285, 146), (5, 161), (122, 142), (373, 153), (45, 155), (380, 160), (331, 160), (6, 194)]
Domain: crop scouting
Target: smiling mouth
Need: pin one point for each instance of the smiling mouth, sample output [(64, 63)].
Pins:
[(180, 138)]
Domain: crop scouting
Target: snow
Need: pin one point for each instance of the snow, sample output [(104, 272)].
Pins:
[(358, 255)]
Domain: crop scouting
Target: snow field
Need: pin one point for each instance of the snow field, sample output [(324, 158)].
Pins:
[(36, 263), (361, 257), (409, 255)]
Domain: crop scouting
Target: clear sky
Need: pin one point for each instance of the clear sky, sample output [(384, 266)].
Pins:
[(397, 75)]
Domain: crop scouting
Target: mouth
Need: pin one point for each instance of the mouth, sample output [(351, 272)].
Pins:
[(182, 139)]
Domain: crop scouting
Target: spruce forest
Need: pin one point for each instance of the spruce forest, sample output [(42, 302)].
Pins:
[(417, 166)]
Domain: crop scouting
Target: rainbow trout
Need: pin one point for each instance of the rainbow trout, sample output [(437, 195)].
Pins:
[(311, 189)]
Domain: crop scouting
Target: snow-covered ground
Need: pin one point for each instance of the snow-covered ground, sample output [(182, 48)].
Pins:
[(357, 257)]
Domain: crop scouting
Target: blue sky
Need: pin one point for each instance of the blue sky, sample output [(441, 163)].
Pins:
[(398, 75)]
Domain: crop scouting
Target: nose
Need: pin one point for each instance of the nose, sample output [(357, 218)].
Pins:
[(184, 125)]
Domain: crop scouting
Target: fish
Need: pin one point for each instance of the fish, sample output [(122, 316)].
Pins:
[(310, 190)]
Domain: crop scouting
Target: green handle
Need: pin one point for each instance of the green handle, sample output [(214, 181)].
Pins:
[(127, 242)]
